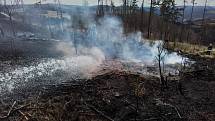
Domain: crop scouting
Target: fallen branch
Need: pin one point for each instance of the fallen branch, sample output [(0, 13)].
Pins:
[(149, 119), (159, 102), (101, 113), (12, 110), (21, 107)]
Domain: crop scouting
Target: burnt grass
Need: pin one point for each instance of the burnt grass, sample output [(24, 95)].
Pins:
[(118, 96)]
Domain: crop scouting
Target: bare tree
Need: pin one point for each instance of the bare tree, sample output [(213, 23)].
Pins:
[(150, 18), (182, 20), (125, 4), (203, 21), (142, 15), (1, 10), (112, 7), (190, 21), (60, 15), (10, 10), (100, 7), (134, 13), (160, 58)]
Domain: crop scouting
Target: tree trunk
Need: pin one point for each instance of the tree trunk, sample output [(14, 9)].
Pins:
[(182, 21), (142, 19), (190, 21), (150, 18), (203, 21)]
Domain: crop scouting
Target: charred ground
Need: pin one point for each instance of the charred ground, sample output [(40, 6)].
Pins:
[(116, 92), (118, 95)]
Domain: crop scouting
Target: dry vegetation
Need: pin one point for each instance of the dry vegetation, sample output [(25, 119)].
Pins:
[(117, 94), (190, 49)]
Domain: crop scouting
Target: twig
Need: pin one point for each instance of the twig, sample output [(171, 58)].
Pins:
[(24, 115), (64, 107), (21, 107), (12, 110), (149, 119), (9, 112)]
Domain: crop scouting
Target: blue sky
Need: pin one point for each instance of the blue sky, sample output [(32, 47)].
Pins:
[(117, 2)]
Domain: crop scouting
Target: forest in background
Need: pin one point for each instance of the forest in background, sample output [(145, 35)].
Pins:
[(163, 20)]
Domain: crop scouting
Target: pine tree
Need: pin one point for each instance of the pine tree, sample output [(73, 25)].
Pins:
[(134, 5), (170, 13)]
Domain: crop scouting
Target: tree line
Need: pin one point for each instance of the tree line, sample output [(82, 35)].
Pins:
[(163, 19)]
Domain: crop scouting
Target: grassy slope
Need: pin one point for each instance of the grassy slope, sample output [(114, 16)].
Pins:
[(191, 49)]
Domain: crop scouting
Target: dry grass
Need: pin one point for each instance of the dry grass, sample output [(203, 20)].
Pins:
[(193, 49)]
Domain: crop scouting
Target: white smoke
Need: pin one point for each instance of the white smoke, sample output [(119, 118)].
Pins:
[(78, 67), (86, 44), (107, 35)]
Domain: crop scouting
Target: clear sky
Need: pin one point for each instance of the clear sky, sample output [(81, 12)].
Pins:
[(117, 2)]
